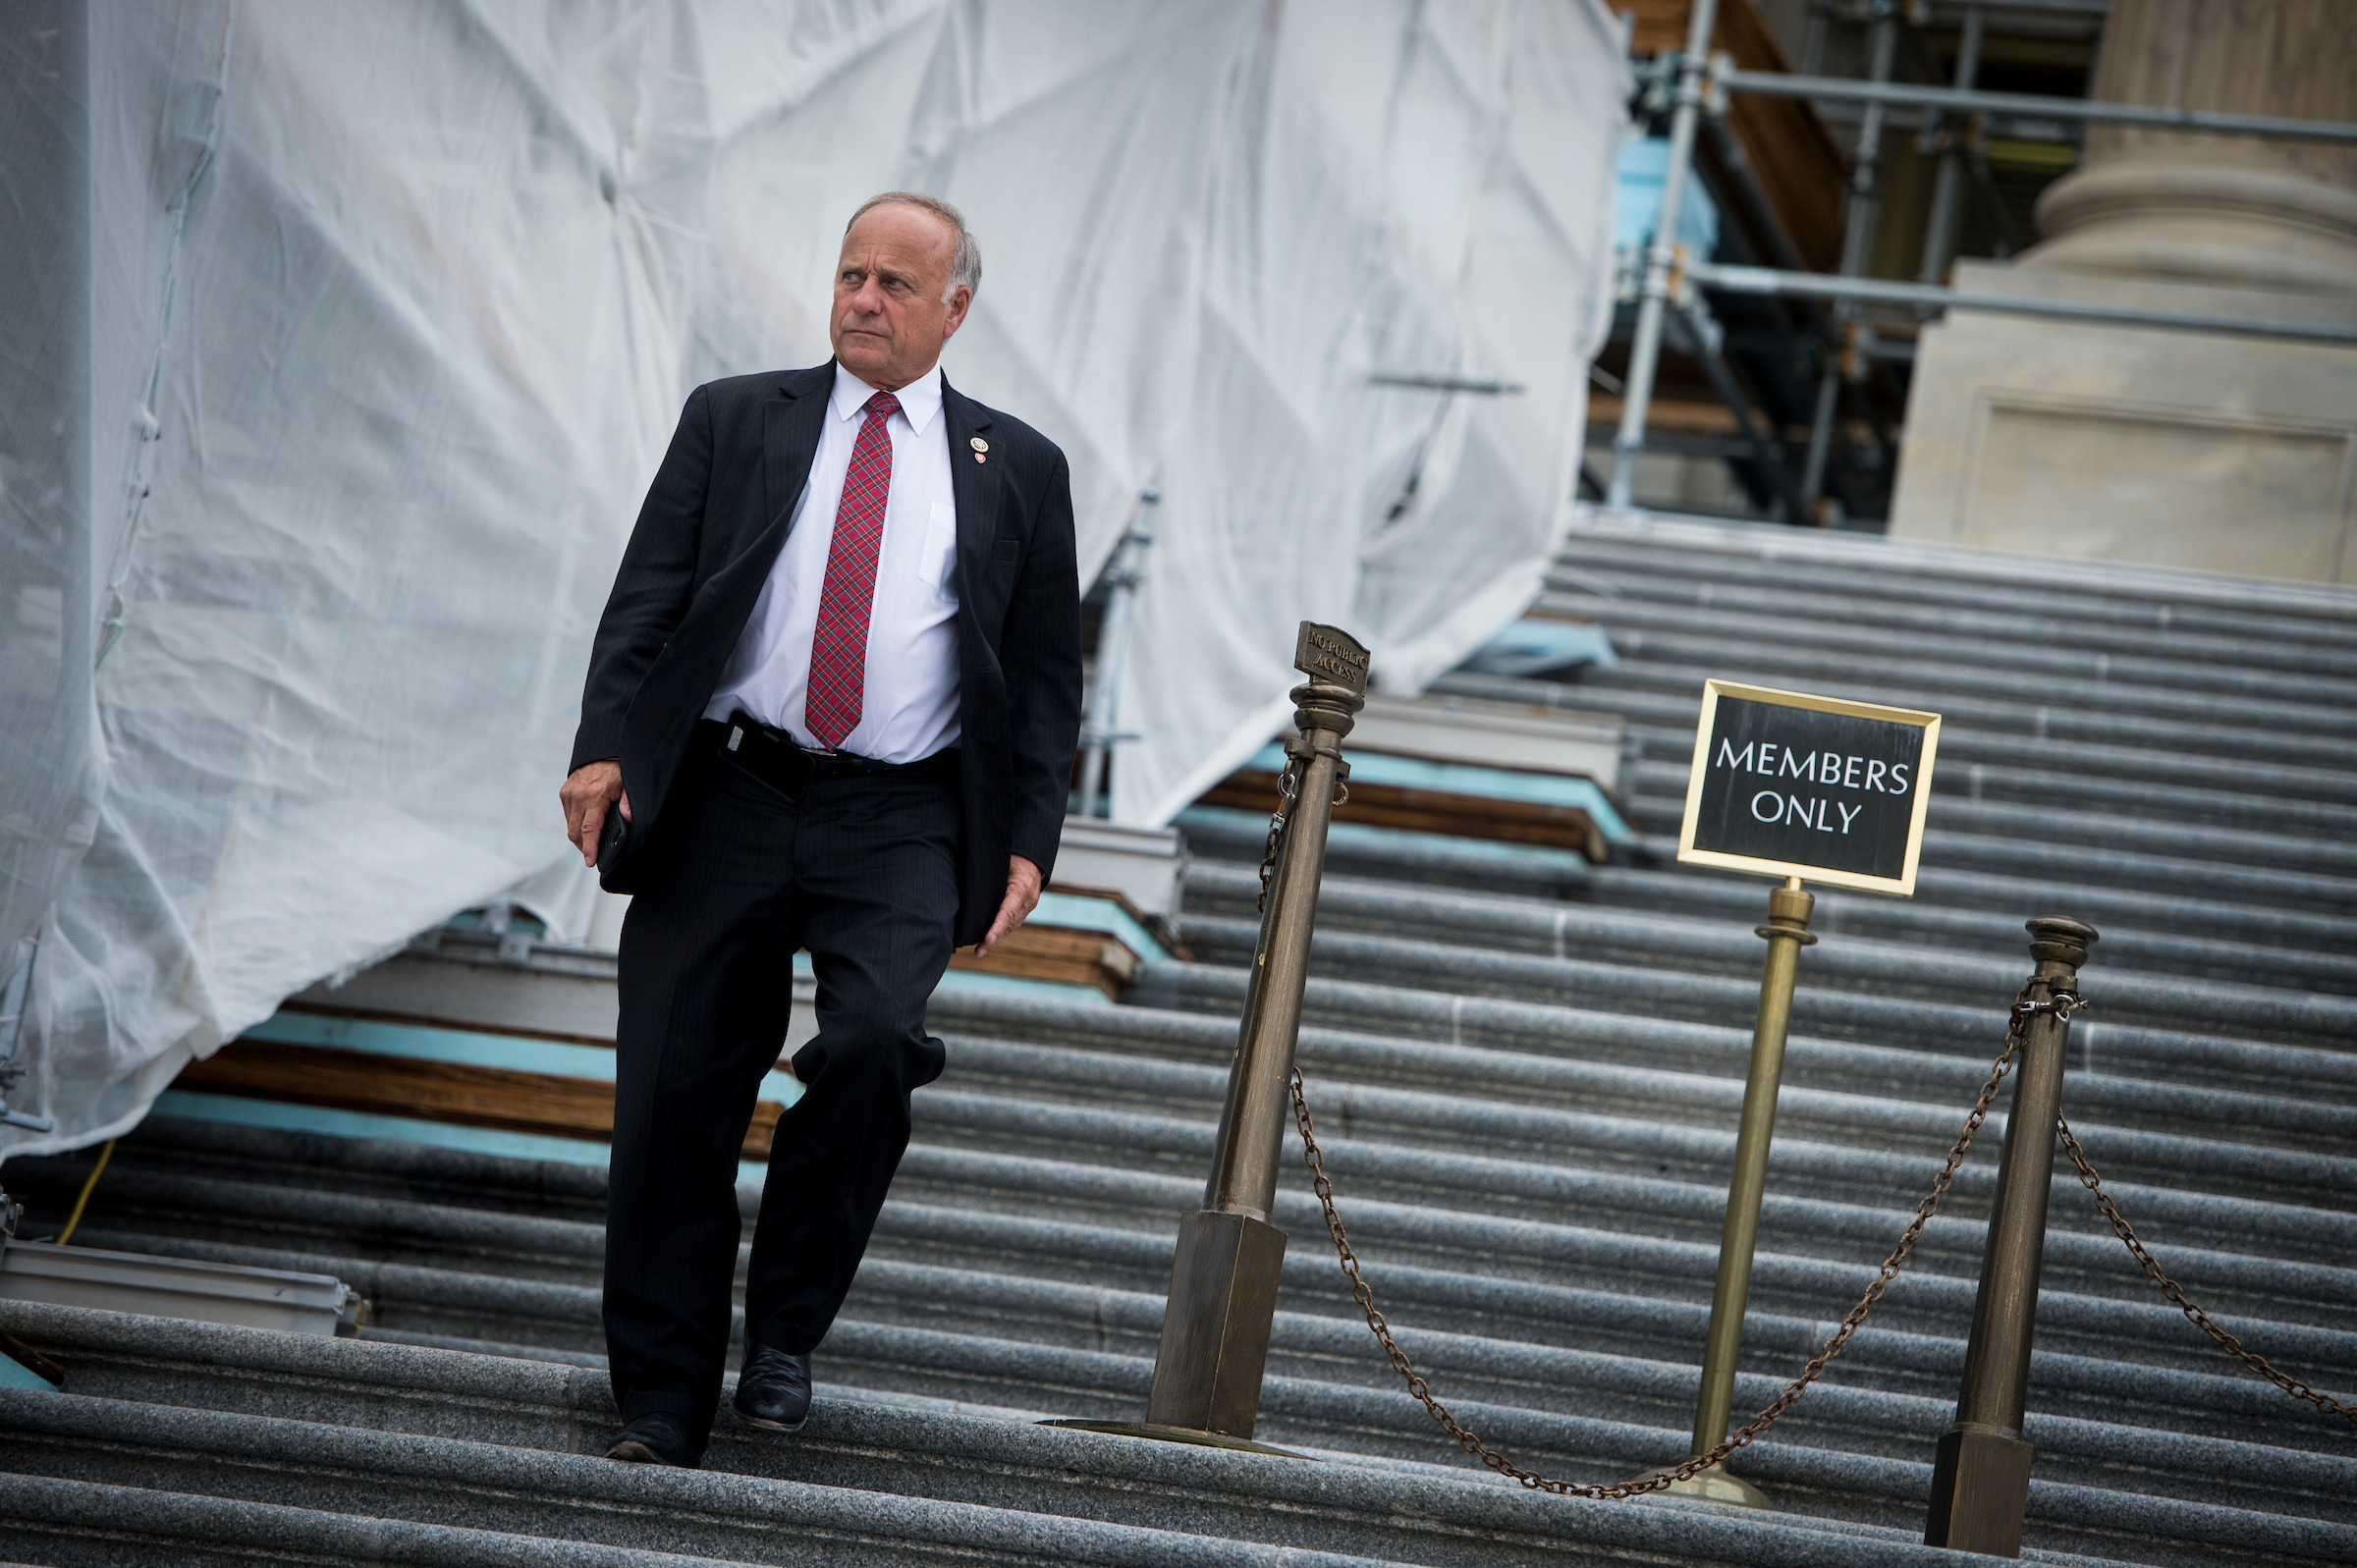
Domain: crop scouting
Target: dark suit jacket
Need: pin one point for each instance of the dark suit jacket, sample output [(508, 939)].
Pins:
[(714, 520)]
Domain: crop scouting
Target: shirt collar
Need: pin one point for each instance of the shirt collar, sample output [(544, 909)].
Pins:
[(920, 400)]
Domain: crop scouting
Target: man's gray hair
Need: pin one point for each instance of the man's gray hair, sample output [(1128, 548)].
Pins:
[(965, 262)]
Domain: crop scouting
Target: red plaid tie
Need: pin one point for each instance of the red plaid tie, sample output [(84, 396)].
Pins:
[(837, 691)]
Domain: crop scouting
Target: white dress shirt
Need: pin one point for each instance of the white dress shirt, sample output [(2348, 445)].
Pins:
[(909, 709)]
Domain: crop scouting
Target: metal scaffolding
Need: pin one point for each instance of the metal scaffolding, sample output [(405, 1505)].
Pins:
[(2027, 106), (1848, 350), (1660, 254), (1099, 733), (1818, 286)]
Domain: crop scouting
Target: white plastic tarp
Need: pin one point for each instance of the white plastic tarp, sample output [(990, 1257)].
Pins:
[(338, 344)]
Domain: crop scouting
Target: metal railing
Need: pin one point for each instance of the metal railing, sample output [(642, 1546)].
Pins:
[(2028, 106), (1821, 285)]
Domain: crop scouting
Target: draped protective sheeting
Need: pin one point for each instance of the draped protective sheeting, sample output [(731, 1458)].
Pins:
[(340, 342)]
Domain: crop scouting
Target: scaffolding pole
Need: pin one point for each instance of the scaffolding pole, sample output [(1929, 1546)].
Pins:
[(1856, 233), (1421, 381), (1661, 257), (2031, 106), (13, 1004), (1706, 342), (1872, 291), (1939, 229), (1098, 737)]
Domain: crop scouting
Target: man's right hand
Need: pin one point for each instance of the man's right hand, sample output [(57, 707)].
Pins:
[(587, 796)]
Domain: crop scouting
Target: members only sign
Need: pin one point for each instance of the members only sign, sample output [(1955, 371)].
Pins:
[(1813, 788)]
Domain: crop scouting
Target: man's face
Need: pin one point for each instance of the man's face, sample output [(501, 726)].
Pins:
[(890, 320)]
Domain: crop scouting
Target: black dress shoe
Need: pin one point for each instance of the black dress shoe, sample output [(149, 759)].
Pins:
[(657, 1437), (773, 1389)]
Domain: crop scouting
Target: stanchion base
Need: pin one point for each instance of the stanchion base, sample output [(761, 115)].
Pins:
[(1980, 1490), (1214, 1331), (1715, 1486), (1187, 1435)]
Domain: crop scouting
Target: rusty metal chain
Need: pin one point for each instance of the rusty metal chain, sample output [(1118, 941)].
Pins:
[(2063, 1003), (2170, 1287), (1289, 787)]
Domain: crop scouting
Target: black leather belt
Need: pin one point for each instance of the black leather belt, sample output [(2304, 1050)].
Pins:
[(779, 760)]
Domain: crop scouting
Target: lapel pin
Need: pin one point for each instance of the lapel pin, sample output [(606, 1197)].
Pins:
[(978, 457), (979, 444)]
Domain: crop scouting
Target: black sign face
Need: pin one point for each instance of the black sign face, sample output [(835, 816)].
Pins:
[(1812, 788)]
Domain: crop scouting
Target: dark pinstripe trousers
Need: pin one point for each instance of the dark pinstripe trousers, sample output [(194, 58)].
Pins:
[(863, 872)]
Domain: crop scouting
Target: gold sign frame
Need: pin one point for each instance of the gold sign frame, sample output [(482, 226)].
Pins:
[(1711, 690)]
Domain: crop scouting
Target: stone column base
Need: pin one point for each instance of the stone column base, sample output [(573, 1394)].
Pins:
[(2222, 452)]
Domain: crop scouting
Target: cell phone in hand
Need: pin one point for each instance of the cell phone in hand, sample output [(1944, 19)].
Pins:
[(613, 842)]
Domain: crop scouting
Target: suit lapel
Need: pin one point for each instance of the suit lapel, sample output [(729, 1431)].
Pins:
[(791, 424), (975, 486), (675, 691)]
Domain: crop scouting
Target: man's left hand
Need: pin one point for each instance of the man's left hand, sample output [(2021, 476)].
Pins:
[(1022, 897)]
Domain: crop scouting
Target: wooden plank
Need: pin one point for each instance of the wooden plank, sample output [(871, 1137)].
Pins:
[(1666, 414), (1800, 168), (1433, 811), (448, 1092), (1700, 418), (1060, 954)]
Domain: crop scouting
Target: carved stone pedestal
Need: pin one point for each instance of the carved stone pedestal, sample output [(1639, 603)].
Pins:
[(2226, 452)]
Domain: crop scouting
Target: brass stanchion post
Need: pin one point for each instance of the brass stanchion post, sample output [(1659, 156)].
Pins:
[(1214, 1331), (1981, 1475), (1786, 932)]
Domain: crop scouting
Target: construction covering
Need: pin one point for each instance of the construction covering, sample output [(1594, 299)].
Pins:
[(341, 341)]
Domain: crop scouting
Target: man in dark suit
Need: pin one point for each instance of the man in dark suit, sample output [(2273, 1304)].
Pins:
[(832, 705)]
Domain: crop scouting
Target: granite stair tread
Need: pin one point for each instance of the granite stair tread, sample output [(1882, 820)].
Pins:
[(1527, 1071)]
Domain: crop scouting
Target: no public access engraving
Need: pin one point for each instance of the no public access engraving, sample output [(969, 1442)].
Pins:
[(1815, 787), (1323, 653)]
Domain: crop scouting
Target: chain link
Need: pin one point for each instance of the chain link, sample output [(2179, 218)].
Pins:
[(2023, 1007), (2170, 1287), (2062, 1004), (1289, 787)]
